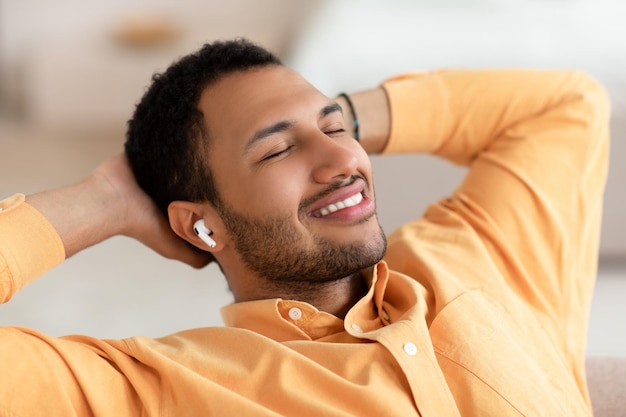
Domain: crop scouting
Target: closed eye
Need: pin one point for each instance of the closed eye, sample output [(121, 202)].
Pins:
[(276, 154), (333, 132)]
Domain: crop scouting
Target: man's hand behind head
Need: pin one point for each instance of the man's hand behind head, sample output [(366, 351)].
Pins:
[(139, 218)]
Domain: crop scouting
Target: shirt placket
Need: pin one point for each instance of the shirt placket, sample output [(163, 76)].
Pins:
[(407, 339)]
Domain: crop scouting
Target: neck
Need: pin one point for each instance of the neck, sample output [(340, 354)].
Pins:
[(335, 297)]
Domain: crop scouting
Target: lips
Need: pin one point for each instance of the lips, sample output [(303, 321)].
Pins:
[(345, 201), (339, 205)]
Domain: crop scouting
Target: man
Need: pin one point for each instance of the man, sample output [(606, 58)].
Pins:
[(478, 308)]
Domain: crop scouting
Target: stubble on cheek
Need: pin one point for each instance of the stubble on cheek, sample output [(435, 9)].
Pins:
[(278, 252)]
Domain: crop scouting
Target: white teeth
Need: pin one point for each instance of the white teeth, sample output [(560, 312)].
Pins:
[(348, 202)]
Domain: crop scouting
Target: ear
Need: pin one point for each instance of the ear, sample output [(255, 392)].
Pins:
[(183, 215)]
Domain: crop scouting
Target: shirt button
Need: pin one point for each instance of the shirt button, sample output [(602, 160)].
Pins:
[(357, 328), (410, 349), (295, 313)]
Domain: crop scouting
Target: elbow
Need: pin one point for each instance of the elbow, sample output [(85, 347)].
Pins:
[(592, 108), (594, 103), (585, 103)]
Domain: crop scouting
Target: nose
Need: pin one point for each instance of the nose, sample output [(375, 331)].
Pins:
[(333, 158)]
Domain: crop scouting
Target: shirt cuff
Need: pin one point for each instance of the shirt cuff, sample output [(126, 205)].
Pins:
[(417, 103), (29, 245)]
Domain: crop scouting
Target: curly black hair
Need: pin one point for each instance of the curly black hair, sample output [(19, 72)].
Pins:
[(166, 140)]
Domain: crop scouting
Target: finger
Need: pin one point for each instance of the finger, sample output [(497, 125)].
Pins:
[(168, 244), (188, 254)]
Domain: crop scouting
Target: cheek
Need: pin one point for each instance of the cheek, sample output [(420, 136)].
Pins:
[(275, 193)]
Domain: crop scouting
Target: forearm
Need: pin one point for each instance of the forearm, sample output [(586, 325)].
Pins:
[(38, 232), (48, 227), (107, 203), (83, 214), (458, 114)]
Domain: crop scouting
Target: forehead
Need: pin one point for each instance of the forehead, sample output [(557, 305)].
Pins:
[(240, 103)]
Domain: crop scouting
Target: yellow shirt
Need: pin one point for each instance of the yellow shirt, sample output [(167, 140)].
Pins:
[(479, 309)]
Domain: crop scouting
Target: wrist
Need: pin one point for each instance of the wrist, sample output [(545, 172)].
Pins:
[(374, 122), (350, 116), (79, 213), (109, 208)]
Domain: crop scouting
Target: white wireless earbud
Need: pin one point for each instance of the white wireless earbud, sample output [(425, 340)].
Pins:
[(203, 233)]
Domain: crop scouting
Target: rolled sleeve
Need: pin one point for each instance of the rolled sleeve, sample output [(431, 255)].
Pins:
[(29, 245)]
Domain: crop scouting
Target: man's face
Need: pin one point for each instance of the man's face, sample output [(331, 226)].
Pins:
[(296, 190)]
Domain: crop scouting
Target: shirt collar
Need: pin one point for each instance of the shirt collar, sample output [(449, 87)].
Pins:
[(284, 320)]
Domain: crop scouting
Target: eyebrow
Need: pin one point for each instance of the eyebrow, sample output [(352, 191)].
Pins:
[(287, 124), (331, 108)]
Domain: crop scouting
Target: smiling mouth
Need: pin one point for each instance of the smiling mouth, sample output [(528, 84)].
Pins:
[(339, 205)]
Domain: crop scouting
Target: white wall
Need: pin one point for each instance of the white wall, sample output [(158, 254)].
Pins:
[(68, 49)]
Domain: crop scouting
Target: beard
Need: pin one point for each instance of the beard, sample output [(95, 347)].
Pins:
[(274, 249)]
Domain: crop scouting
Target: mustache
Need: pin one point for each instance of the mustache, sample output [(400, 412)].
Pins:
[(333, 187)]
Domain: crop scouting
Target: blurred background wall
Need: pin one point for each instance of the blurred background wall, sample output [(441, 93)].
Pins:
[(71, 71)]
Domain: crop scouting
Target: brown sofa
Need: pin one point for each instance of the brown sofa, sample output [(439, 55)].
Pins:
[(607, 385)]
